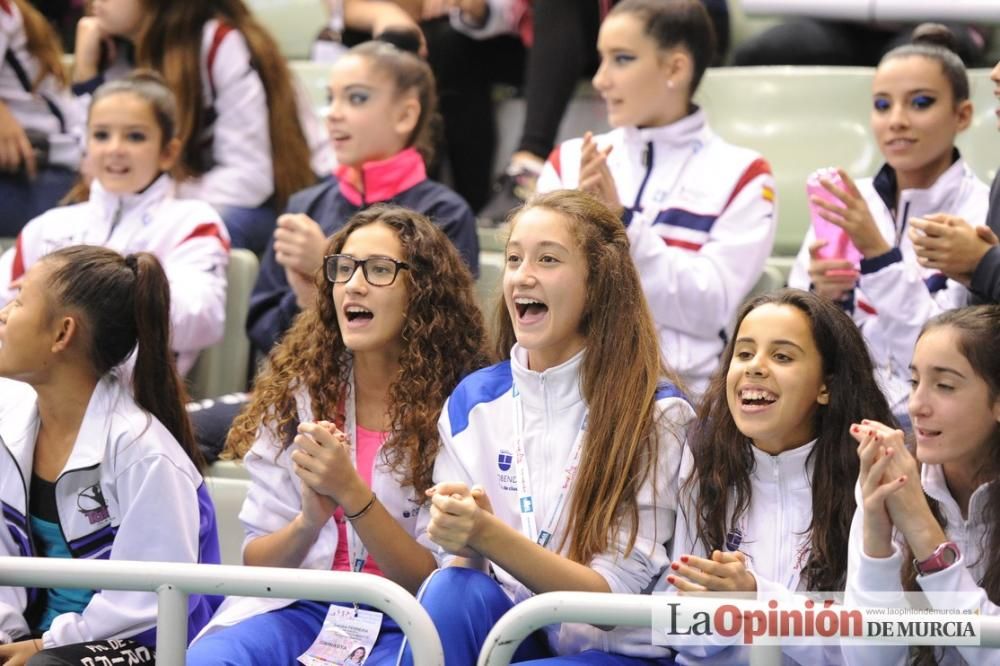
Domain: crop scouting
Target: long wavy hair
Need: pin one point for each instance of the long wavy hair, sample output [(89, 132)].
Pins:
[(724, 462), (170, 42), (43, 44), (443, 340), (978, 330), (622, 368)]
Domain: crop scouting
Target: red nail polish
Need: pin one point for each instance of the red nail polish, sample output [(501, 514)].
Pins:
[(675, 566), (670, 579), (684, 559), (854, 428)]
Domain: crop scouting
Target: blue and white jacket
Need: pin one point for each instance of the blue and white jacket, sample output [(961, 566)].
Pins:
[(477, 442), (127, 492), (895, 296), (700, 216)]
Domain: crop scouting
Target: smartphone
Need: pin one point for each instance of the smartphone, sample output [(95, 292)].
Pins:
[(838, 243)]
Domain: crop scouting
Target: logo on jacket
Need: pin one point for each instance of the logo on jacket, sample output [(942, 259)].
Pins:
[(92, 504), (734, 539), (504, 460)]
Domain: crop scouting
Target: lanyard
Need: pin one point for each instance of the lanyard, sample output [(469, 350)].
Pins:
[(525, 500), (356, 551)]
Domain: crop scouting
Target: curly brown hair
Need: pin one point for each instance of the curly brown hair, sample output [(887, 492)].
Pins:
[(444, 339)]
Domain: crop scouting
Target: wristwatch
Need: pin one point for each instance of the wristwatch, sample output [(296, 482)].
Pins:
[(943, 557)]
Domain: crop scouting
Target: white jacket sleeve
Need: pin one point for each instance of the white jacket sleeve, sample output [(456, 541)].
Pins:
[(275, 498), (549, 179), (196, 271), (146, 532), (447, 468), (243, 174), (871, 582), (958, 581), (896, 288), (798, 277), (698, 292), (502, 18), (13, 600), (6, 275)]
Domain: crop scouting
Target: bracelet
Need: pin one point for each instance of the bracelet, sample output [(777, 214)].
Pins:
[(359, 514)]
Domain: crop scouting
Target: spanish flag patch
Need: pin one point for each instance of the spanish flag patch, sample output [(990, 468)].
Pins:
[(768, 193)]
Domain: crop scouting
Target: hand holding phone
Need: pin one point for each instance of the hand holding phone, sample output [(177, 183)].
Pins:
[(838, 242)]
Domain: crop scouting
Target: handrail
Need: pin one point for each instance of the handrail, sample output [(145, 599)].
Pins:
[(173, 582), (628, 610), (631, 610)]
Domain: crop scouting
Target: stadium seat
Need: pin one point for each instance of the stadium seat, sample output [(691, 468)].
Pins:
[(225, 366), (228, 483), (293, 23)]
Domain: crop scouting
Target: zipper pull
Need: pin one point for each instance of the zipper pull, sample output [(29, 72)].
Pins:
[(115, 219)]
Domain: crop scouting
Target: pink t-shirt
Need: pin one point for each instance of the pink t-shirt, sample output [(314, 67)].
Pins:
[(369, 442)]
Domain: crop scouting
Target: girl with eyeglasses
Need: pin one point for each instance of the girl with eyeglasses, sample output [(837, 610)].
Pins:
[(920, 102), (382, 102), (341, 432)]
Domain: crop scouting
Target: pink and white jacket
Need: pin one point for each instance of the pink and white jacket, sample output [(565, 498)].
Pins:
[(188, 238)]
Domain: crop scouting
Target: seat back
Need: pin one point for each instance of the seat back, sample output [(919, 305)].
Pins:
[(225, 366)]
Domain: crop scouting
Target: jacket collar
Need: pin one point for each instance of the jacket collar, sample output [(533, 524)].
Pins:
[(555, 388), (692, 128), (939, 196), (794, 468), (933, 481), (19, 426), (111, 205), (383, 180)]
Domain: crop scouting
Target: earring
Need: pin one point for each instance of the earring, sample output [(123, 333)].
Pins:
[(670, 83)]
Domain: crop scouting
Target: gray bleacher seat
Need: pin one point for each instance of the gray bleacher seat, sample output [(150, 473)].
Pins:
[(224, 367)]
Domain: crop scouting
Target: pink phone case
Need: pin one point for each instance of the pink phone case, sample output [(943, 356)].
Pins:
[(838, 243)]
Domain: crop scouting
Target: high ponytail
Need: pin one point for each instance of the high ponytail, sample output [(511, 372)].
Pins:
[(124, 303), (156, 385)]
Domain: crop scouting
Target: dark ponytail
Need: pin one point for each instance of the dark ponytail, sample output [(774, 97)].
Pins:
[(124, 305)]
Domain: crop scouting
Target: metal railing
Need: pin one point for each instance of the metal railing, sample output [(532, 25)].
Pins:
[(633, 610), (173, 582)]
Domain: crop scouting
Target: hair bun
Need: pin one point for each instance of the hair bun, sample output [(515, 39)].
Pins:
[(935, 34), (402, 39)]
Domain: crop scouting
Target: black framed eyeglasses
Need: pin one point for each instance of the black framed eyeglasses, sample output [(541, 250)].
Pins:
[(379, 271)]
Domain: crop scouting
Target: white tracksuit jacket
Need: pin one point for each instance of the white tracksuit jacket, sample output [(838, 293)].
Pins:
[(477, 436), (700, 217), (275, 499), (127, 492), (869, 575), (48, 108), (188, 237), (895, 295), (775, 540)]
